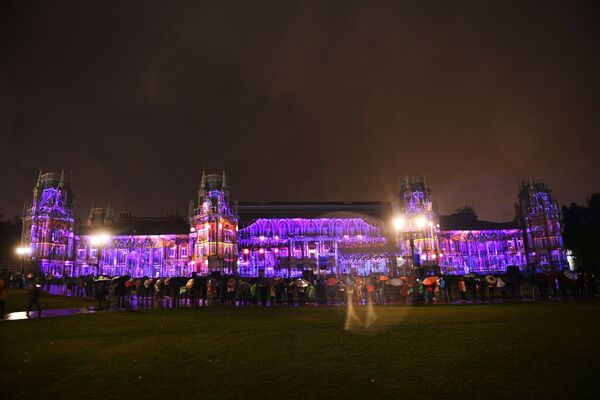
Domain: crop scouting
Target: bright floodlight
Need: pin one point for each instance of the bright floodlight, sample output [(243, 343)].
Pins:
[(399, 223), (421, 221), (22, 250), (99, 239)]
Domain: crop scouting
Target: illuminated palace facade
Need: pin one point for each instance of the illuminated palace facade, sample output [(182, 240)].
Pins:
[(286, 239)]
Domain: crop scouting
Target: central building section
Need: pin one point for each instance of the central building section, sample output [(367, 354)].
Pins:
[(213, 227)]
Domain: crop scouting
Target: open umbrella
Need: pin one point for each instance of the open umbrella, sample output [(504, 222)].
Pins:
[(396, 282), (301, 283), (331, 281), (430, 280), (571, 274), (384, 278), (490, 279), (190, 284)]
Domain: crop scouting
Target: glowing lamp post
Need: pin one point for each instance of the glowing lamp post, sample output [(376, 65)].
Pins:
[(411, 227), (99, 241), (22, 252)]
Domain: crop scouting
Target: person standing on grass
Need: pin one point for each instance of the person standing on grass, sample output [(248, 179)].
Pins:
[(3, 293), (289, 290), (462, 290), (33, 292), (272, 293), (500, 284)]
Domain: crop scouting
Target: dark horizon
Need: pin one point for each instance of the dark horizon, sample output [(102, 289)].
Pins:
[(301, 101)]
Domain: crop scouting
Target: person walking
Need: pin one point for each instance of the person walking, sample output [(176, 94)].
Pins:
[(33, 292)]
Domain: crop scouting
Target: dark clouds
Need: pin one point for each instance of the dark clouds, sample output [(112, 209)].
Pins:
[(299, 100)]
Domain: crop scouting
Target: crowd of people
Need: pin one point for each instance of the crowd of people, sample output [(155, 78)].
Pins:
[(379, 289), (117, 292)]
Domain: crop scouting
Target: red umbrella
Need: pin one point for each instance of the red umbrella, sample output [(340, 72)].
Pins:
[(384, 278), (429, 281), (331, 281)]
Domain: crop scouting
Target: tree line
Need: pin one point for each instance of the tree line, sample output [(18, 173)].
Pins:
[(581, 233)]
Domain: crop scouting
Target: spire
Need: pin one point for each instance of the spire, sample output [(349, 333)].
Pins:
[(62, 179), (191, 208), (107, 210), (203, 181), (224, 184), (39, 179)]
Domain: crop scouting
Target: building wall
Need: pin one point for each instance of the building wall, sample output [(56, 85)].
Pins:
[(286, 246)]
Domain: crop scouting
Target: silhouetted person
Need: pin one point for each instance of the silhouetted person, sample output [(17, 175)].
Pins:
[(34, 294)]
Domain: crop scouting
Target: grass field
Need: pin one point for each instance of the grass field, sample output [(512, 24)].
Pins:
[(17, 300), (523, 350)]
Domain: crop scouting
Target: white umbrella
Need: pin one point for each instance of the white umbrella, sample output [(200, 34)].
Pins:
[(396, 282)]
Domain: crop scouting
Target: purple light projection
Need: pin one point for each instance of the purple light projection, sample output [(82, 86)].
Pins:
[(287, 246)]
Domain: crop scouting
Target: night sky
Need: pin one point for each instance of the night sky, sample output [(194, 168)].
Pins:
[(331, 100)]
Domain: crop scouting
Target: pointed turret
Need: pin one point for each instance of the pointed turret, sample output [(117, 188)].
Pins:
[(203, 181), (224, 184), (191, 208), (39, 179), (61, 184)]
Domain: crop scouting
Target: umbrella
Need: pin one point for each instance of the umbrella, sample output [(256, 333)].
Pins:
[(405, 278), (102, 279), (490, 279), (331, 282), (190, 284), (471, 275), (384, 278), (301, 283), (431, 280), (396, 282), (570, 274)]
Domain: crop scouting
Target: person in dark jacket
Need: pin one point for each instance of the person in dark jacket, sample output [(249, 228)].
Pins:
[(289, 290), (33, 292)]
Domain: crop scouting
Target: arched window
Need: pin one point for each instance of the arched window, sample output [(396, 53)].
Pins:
[(339, 228), (283, 230), (325, 228), (352, 228), (311, 229), (297, 229)]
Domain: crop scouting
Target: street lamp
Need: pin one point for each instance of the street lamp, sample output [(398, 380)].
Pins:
[(411, 227), (22, 252), (99, 240)]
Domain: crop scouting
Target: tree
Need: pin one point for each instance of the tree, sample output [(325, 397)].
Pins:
[(10, 237), (581, 233)]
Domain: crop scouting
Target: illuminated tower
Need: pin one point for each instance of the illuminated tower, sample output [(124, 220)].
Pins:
[(49, 224), (213, 225), (538, 216), (417, 221)]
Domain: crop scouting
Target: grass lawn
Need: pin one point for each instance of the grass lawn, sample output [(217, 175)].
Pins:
[(524, 350), (17, 300)]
